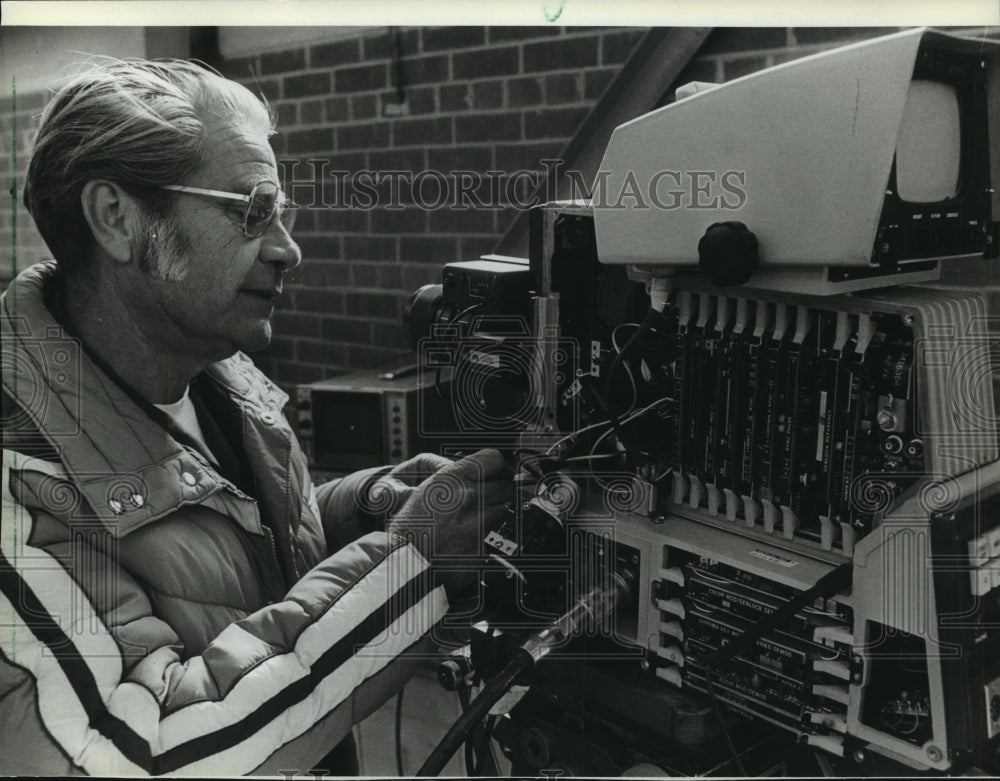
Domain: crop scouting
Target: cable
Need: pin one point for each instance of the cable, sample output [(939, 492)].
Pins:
[(592, 457), (470, 758), (438, 388), (593, 448), (466, 311), (628, 369), (494, 689), (590, 608), (575, 434), (529, 457), (468, 755), (832, 582), (628, 419), (572, 436), (399, 732), (614, 334), (646, 409), (663, 474), (525, 459), (717, 710), (463, 698), (484, 750), (648, 322), (476, 754)]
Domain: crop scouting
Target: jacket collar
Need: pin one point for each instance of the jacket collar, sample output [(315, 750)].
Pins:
[(125, 464)]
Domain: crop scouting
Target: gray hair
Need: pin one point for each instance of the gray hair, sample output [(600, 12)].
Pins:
[(137, 123)]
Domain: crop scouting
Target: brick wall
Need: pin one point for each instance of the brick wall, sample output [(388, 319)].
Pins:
[(21, 242), (476, 99)]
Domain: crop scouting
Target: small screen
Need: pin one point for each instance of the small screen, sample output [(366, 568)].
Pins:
[(930, 147), (348, 433)]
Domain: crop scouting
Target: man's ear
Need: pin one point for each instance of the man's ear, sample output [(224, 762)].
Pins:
[(114, 218)]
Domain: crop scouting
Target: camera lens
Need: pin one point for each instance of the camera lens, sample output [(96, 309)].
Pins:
[(421, 312)]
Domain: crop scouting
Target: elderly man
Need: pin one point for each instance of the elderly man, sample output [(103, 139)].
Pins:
[(176, 597)]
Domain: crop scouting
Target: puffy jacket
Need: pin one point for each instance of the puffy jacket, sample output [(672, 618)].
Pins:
[(154, 617)]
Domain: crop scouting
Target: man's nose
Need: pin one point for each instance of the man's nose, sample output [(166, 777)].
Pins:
[(277, 246)]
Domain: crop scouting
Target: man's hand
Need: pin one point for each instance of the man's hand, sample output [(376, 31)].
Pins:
[(448, 514), (414, 471), (385, 496)]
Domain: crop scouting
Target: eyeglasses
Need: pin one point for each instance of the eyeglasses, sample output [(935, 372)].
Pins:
[(264, 202)]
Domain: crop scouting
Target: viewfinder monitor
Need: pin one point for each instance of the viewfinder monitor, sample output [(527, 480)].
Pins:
[(859, 167)]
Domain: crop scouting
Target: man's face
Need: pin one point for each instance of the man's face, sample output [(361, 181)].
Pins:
[(224, 300)]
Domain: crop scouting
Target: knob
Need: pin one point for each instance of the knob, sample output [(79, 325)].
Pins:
[(536, 747), (727, 253), (892, 444), (886, 419), (452, 672)]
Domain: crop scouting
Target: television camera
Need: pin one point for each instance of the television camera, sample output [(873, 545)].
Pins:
[(757, 439)]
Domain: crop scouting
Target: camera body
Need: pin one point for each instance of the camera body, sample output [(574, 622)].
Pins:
[(479, 330)]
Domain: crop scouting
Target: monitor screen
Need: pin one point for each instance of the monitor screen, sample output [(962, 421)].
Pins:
[(929, 149), (348, 430)]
